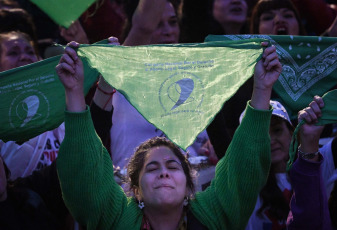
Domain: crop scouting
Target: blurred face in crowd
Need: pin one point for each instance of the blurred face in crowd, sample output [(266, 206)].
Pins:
[(168, 29), (279, 22), (3, 182), (230, 11), (15, 52), (162, 181), (280, 136)]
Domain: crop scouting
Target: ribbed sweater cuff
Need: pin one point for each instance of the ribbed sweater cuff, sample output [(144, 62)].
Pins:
[(80, 122), (254, 116)]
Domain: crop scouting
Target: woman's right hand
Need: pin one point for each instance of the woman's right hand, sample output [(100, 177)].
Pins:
[(70, 72), (70, 68)]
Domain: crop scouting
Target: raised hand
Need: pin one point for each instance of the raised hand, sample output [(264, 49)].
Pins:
[(309, 132), (267, 71), (70, 72)]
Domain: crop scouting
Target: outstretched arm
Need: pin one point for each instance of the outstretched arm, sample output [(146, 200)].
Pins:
[(241, 173), (309, 205), (145, 21), (70, 72), (84, 166)]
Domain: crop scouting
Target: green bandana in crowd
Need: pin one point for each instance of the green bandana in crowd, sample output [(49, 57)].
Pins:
[(63, 12), (32, 99), (309, 67), (178, 88), (329, 116)]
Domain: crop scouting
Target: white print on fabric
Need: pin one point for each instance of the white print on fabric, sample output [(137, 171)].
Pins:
[(296, 79)]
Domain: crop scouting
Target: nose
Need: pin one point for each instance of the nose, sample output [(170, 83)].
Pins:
[(164, 173), (278, 19), (26, 57), (167, 29)]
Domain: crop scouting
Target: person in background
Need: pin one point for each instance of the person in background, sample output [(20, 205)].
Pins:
[(309, 203), (22, 208), (16, 19), (204, 17), (16, 49), (276, 17)]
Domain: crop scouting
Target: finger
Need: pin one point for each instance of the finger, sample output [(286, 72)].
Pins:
[(73, 44), (315, 108), (264, 44), (113, 40), (268, 51), (67, 59), (319, 101), (303, 115), (64, 67), (274, 64), (270, 57), (311, 118), (72, 53)]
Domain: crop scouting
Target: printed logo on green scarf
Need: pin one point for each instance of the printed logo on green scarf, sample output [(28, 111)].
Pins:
[(182, 92), (26, 107)]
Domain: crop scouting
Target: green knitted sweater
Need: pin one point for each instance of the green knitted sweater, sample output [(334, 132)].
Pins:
[(95, 200)]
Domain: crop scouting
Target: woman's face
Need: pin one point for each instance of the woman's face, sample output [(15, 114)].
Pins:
[(168, 30), (279, 22), (162, 182), (230, 11), (16, 52), (280, 136)]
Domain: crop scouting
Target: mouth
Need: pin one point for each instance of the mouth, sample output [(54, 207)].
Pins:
[(281, 30), (236, 10), (164, 186)]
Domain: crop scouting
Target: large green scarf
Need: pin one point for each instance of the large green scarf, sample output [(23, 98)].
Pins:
[(309, 67)]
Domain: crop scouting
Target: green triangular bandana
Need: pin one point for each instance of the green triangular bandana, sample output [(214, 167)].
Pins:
[(63, 12), (178, 88), (32, 99)]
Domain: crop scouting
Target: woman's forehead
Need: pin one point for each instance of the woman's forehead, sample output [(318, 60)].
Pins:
[(160, 153)]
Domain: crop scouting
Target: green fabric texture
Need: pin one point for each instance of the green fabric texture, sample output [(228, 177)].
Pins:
[(98, 202), (63, 12), (178, 88), (32, 99), (329, 116), (309, 67)]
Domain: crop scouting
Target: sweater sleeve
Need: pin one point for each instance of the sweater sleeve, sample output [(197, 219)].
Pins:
[(309, 205), (230, 199), (86, 177)]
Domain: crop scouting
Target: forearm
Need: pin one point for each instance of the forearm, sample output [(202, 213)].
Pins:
[(240, 175), (309, 206), (75, 101), (145, 21), (86, 173)]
